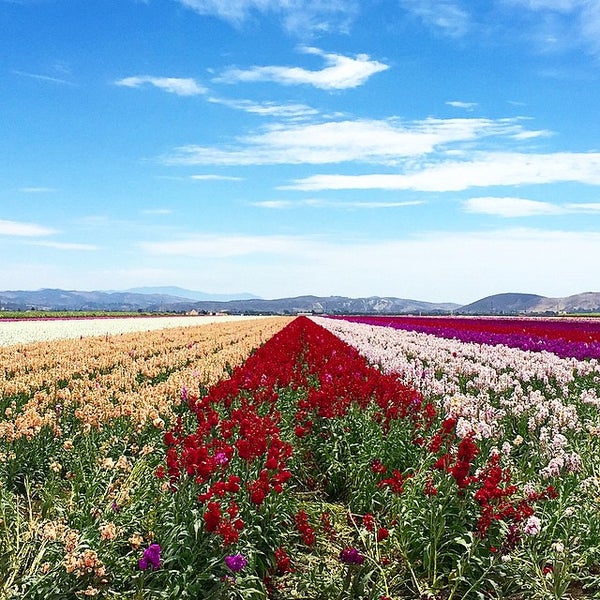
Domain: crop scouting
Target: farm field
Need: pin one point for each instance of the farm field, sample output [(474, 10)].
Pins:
[(297, 458), (24, 331), (577, 337)]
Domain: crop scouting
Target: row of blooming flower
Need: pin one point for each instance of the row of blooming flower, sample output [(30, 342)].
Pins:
[(313, 472), (30, 330), (81, 425), (579, 338), (135, 376), (537, 411), (497, 393), (426, 510)]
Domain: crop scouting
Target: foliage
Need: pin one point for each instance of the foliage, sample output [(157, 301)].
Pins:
[(302, 471)]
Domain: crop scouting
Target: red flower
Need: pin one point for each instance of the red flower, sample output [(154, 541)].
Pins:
[(395, 482), (283, 562), (212, 516), (304, 528), (430, 489), (377, 466), (368, 521)]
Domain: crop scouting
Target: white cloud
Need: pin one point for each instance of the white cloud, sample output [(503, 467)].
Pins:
[(36, 190), (584, 207), (66, 246), (215, 178), (443, 15), (522, 207), (275, 204), (341, 72), (511, 207), (381, 141), (529, 135), (564, 23), (173, 85), (341, 204), (298, 16), (465, 105), (157, 211), (17, 228), (487, 169), (43, 78), (269, 109)]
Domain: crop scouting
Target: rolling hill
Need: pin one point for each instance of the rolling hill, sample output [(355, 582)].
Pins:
[(180, 300)]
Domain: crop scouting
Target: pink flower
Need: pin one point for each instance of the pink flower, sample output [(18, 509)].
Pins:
[(533, 526)]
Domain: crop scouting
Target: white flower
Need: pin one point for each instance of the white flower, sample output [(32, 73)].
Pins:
[(558, 547), (533, 526)]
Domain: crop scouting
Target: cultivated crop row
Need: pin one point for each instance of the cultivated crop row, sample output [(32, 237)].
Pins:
[(579, 338), (336, 460), (81, 432)]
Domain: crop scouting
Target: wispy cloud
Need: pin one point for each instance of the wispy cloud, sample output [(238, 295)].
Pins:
[(523, 207), (486, 169), (377, 141), (215, 178), (445, 16), (341, 72), (564, 24), (584, 207), (298, 16), (510, 207), (157, 211), (66, 246), (173, 85), (36, 190), (465, 105), (268, 109), (340, 204), (17, 228), (47, 78)]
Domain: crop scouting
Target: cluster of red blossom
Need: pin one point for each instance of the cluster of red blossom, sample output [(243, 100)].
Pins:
[(238, 452), (497, 499), (238, 421)]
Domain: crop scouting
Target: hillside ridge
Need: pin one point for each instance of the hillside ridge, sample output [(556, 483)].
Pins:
[(511, 303)]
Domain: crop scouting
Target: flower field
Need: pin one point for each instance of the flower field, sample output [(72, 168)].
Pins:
[(27, 330), (579, 338), (297, 458)]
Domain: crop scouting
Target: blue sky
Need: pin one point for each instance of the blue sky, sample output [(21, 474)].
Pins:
[(439, 150)]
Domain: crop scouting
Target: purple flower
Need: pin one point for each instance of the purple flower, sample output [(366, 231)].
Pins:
[(351, 556), (150, 558), (236, 562), (221, 458)]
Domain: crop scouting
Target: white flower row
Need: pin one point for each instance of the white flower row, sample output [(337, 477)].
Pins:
[(34, 330), (507, 395)]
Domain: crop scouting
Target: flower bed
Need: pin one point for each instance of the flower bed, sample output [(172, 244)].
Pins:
[(578, 338), (312, 472)]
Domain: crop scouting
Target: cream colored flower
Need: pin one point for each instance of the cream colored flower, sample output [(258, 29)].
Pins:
[(108, 531)]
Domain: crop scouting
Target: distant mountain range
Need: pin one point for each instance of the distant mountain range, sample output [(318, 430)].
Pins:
[(179, 300)]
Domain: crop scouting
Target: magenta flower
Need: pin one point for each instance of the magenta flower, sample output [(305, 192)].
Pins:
[(150, 558), (351, 556), (236, 562)]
